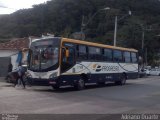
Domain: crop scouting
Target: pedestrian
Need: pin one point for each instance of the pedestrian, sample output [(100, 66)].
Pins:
[(20, 72)]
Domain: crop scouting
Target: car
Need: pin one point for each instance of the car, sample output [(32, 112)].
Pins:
[(147, 71), (142, 73), (155, 71)]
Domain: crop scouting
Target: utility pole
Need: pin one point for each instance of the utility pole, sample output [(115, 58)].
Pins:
[(115, 31), (116, 24)]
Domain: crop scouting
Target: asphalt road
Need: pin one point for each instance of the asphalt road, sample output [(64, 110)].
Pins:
[(137, 96)]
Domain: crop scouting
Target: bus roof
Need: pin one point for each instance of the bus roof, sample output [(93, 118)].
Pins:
[(44, 38), (98, 45)]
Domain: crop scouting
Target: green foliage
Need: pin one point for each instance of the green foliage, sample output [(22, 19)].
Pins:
[(64, 17)]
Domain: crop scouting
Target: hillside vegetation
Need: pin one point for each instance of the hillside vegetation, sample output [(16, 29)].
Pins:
[(64, 17)]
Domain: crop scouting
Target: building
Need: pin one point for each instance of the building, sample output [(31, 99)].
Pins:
[(9, 52)]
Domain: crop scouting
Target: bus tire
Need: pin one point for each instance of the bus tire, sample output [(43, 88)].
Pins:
[(101, 83), (80, 85), (55, 87), (122, 80)]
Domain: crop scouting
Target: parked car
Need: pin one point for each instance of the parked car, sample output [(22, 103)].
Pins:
[(142, 73), (155, 71), (147, 71)]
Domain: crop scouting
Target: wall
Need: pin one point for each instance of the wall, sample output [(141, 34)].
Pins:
[(7, 53), (10, 54), (4, 62)]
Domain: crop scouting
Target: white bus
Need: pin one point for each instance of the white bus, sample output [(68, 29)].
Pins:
[(62, 61)]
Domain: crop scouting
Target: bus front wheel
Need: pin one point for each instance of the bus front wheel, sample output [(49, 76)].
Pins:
[(122, 80), (55, 87), (80, 85)]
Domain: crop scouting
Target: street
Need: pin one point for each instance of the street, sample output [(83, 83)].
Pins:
[(137, 96)]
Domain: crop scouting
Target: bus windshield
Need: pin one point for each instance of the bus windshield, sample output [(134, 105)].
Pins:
[(44, 55)]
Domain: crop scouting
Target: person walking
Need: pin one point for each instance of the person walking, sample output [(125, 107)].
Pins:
[(20, 75)]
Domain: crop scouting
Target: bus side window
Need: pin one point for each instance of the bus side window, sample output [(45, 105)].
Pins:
[(82, 52), (107, 55), (117, 56), (71, 58), (127, 57), (77, 51), (94, 53), (64, 59), (134, 57), (67, 62)]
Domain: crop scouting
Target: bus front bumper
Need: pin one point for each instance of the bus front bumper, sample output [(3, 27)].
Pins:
[(39, 81)]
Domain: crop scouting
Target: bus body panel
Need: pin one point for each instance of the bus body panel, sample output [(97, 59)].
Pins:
[(107, 72)]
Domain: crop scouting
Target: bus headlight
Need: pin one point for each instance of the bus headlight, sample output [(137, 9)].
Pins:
[(53, 75)]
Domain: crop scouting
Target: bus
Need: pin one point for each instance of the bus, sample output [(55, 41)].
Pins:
[(63, 61)]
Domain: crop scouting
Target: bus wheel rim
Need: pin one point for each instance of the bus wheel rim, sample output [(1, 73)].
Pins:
[(81, 83)]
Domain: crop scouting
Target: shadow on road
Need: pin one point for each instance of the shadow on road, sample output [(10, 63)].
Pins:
[(66, 89), (72, 89), (10, 85)]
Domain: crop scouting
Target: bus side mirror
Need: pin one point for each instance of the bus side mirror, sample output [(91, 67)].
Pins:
[(67, 53)]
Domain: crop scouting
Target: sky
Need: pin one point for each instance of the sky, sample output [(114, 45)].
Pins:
[(10, 6)]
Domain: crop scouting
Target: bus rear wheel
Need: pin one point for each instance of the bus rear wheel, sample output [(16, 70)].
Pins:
[(80, 85), (122, 81)]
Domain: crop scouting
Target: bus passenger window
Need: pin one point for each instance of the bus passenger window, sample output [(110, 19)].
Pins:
[(117, 56), (71, 57), (64, 59), (127, 57), (107, 55), (94, 53), (82, 52), (67, 62), (134, 57)]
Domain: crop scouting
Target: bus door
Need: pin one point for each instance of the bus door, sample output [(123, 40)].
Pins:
[(67, 59)]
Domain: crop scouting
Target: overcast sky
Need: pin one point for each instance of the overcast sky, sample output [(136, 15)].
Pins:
[(9, 6)]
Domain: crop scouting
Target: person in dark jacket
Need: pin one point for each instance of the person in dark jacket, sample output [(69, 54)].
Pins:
[(20, 72)]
